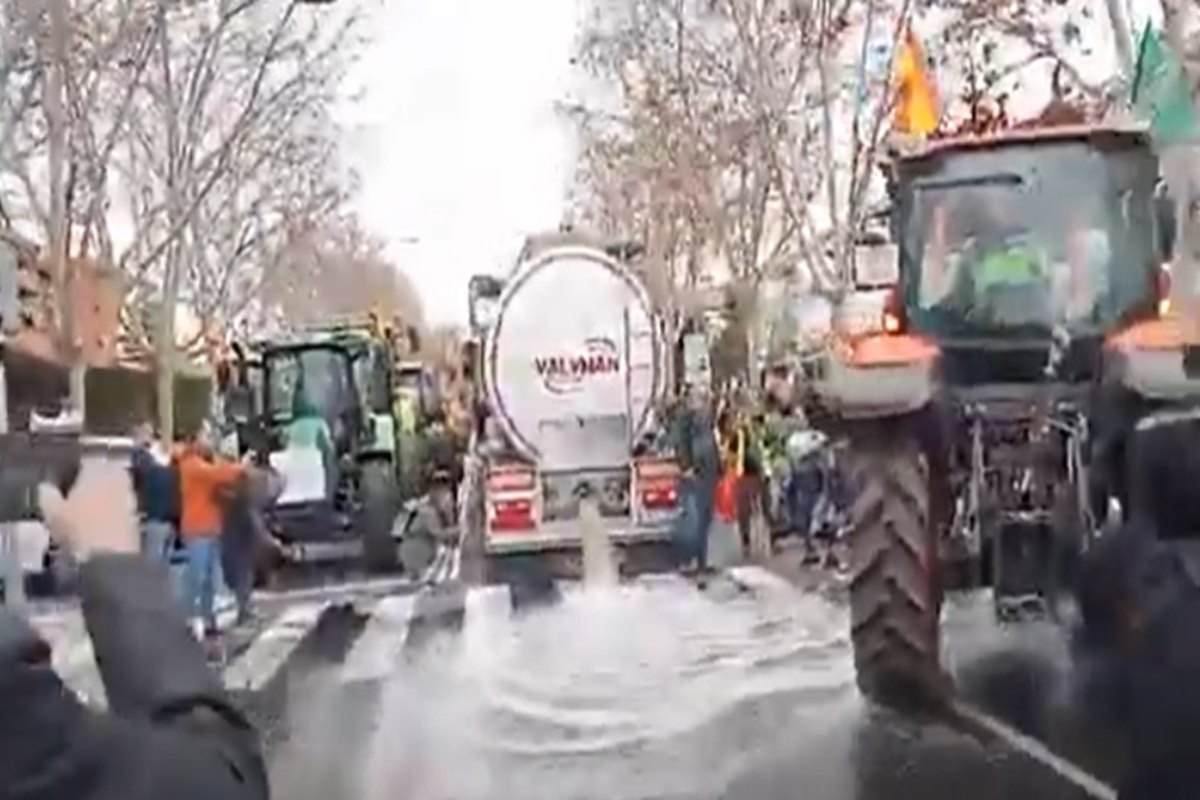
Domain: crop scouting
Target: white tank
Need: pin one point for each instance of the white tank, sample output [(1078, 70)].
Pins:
[(573, 361)]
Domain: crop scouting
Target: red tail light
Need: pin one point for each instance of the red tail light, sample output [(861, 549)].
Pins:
[(512, 515), (656, 498), (657, 484)]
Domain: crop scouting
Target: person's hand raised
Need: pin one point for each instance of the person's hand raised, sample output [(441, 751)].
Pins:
[(99, 515)]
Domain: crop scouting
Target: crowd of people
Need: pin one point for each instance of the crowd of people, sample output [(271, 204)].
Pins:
[(200, 504), (753, 460)]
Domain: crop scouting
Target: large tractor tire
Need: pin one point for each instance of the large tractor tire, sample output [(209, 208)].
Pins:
[(895, 598), (378, 506)]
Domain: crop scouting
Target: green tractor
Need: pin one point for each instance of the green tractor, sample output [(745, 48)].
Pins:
[(346, 506)]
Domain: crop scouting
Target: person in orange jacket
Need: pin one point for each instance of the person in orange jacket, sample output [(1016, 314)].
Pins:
[(201, 480)]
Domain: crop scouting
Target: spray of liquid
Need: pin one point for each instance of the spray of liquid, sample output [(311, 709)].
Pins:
[(599, 562)]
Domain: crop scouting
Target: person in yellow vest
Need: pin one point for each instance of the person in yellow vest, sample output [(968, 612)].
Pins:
[(742, 455), (405, 409)]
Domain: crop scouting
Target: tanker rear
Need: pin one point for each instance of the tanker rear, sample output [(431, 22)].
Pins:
[(574, 377)]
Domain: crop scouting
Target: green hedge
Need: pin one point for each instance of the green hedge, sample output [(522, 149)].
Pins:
[(118, 399)]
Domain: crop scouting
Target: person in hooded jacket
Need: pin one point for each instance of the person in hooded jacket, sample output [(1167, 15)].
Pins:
[(170, 730)]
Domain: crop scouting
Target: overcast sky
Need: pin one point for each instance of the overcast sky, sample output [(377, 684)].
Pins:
[(457, 140)]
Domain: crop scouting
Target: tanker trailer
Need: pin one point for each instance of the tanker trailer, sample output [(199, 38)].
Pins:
[(574, 373)]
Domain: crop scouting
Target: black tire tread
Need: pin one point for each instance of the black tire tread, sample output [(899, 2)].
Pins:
[(379, 492), (893, 598)]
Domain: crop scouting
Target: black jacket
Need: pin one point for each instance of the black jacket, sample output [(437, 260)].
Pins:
[(170, 730), (1153, 668)]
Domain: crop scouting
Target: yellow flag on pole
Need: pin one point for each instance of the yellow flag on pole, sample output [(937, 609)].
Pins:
[(916, 109)]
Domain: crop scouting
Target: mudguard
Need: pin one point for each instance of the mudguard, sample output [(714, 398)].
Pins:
[(1155, 374), (1148, 359), (879, 376)]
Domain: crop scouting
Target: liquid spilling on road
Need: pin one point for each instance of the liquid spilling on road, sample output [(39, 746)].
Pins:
[(599, 564), (650, 689)]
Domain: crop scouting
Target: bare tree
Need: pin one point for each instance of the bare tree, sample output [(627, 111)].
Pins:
[(999, 46), (335, 269), (201, 129), (230, 123), (721, 146), (743, 130)]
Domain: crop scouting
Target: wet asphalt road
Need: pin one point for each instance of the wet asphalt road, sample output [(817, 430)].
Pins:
[(657, 690)]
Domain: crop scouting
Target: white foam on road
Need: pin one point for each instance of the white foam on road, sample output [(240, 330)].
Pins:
[(761, 579), (263, 659), (663, 580), (484, 603), (378, 648), (487, 612)]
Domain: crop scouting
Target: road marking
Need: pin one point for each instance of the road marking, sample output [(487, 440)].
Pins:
[(263, 658), (756, 578), (370, 586), (1035, 750), (441, 569), (378, 648)]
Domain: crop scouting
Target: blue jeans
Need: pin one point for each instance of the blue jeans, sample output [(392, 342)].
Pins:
[(157, 538), (695, 520), (203, 557)]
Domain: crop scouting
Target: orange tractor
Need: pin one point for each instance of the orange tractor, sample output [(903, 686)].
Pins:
[(1024, 340)]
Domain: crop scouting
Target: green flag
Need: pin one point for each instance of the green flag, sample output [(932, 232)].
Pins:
[(1161, 95)]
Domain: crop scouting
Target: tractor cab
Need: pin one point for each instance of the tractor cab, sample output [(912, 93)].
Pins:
[(1010, 247), (318, 375), (1015, 240)]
